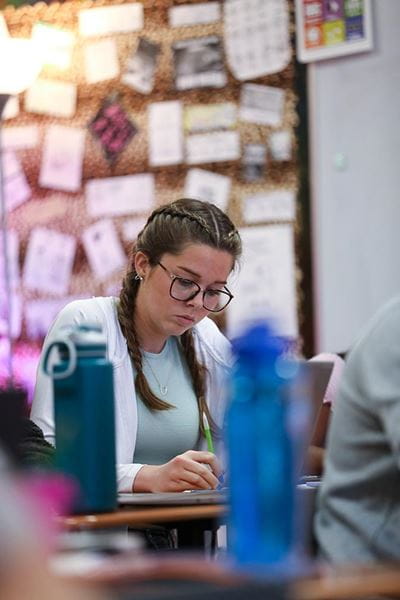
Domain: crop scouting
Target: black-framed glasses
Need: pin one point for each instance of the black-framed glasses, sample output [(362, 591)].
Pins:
[(184, 290)]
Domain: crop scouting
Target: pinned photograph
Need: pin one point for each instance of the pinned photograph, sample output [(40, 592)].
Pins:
[(253, 162), (112, 127), (263, 104), (199, 63), (140, 68)]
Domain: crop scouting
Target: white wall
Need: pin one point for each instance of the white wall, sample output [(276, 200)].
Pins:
[(355, 113)]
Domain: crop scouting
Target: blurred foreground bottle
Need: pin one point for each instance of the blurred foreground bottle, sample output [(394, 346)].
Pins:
[(262, 441), (84, 416)]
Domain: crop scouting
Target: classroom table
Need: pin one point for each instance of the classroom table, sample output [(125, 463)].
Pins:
[(189, 521)]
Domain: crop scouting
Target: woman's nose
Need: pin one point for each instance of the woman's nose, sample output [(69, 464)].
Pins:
[(196, 301)]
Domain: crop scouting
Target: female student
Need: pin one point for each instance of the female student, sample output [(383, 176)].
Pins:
[(170, 361)]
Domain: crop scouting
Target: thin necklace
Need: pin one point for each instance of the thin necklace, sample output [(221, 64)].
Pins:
[(163, 387)]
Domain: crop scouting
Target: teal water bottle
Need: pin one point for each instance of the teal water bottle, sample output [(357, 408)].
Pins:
[(261, 526), (84, 416)]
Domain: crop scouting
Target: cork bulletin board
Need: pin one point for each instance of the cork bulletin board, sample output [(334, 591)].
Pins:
[(254, 171)]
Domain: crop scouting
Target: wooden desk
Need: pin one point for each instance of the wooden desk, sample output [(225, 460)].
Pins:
[(190, 521)]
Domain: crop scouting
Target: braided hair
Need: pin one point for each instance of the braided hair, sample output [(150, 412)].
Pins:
[(169, 229)]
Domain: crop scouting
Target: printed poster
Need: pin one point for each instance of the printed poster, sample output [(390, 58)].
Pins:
[(329, 28)]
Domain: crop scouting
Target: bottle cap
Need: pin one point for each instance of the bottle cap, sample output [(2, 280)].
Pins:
[(257, 341)]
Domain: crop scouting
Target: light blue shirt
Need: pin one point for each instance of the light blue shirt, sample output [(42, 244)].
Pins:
[(162, 434)]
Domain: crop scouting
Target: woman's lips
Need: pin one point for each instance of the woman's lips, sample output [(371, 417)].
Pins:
[(185, 319)]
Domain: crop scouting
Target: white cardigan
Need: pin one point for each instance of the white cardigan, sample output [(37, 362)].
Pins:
[(213, 351)]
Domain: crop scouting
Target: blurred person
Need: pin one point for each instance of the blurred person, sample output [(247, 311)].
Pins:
[(358, 511)]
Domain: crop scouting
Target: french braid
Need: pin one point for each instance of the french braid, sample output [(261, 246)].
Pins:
[(168, 230)]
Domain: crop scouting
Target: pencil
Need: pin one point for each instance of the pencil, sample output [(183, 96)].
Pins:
[(207, 434)]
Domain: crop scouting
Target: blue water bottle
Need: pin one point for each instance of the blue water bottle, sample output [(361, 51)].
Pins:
[(260, 459), (84, 415)]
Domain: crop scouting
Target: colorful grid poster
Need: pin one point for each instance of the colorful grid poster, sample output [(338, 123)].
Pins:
[(329, 28)]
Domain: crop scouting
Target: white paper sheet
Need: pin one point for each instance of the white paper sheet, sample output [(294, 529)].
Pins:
[(132, 227), (208, 186), (194, 14), (103, 249), (101, 61), (3, 27), (55, 98), (40, 314), (257, 40), (265, 287), (11, 108), (48, 262), (165, 133), (57, 44), (16, 187), (206, 117), (115, 196), (63, 150), (212, 147), (280, 145), (262, 104), (279, 205), (20, 138), (104, 20)]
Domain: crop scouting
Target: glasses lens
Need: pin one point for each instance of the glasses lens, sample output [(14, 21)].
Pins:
[(216, 300), (183, 289)]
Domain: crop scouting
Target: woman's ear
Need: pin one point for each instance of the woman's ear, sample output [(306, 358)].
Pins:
[(141, 264)]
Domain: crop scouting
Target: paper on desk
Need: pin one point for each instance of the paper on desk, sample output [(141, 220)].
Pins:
[(11, 108), (280, 145), (256, 36), (212, 147), (165, 133), (194, 14), (266, 284), (63, 150), (208, 186), (20, 138), (132, 227), (278, 205), (101, 61), (105, 20), (48, 262), (206, 117), (262, 104), (57, 44), (16, 187), (103, 249), (55, 98), (115, 196)]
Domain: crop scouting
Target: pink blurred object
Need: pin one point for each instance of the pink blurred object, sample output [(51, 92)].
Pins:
[(25, 362), (336, 375)]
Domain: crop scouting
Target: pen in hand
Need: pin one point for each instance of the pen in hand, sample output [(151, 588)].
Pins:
[(210, 445)]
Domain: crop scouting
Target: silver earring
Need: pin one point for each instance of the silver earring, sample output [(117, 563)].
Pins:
[(138, 277)]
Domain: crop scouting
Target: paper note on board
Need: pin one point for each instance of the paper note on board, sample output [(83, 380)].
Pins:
[(265, 287), (200, 13), (165, 133), (262, 104), (106, 20), (208, 186), (61, 167), (101, 61), (212, 147), (278, 205), (103, 249), (115, 196), (55, 98), (21, 137)]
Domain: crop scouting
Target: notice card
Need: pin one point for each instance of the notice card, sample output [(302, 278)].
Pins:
[(280, 145), (57, 44), (262, 104), (206, 117), (257, 40), (200, 13), (106, 20), (132, 227), (11, 108), (61, 167), (22, 137), (54, 98), (48, 262), (101, 61), (212, 147), (208, 186), (15, 186), (278, 205), (266, 284), (103, 249), (165, 133), (113, 196)]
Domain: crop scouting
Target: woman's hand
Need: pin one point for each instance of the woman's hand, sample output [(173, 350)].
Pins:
[(192, 470)]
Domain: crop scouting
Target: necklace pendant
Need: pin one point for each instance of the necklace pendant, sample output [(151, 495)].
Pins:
[(164, 390)]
